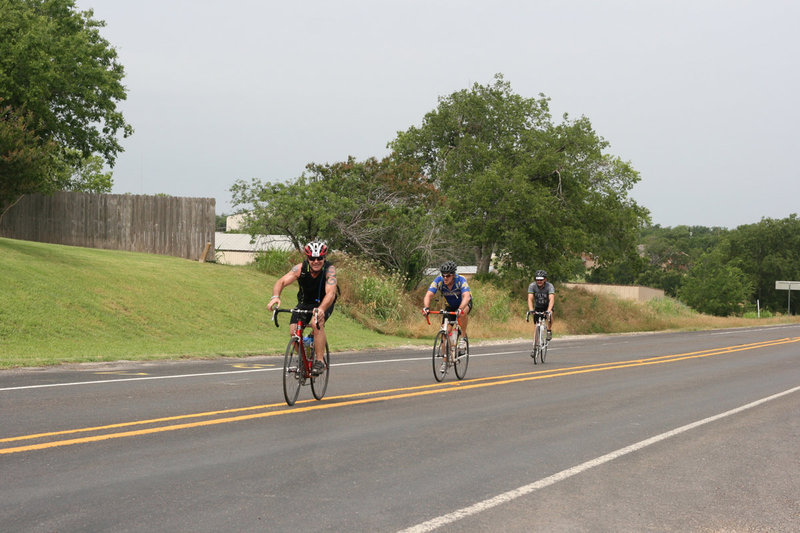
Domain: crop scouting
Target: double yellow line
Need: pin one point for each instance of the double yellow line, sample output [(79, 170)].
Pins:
[(211, 418)]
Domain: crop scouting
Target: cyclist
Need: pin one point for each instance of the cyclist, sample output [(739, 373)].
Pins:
[(541, 296), (316, 278), (455, 290)]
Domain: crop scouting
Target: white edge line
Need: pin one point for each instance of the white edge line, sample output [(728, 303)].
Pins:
[(224, 373), (476, 508)]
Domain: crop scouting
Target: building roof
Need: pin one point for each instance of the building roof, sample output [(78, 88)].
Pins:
[(461, 270)]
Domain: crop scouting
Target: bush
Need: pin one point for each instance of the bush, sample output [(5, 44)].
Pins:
[(765, 313), (277, 262), (373, 295)]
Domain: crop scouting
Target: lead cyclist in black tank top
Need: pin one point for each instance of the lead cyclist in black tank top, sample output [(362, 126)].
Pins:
[(316, 279)]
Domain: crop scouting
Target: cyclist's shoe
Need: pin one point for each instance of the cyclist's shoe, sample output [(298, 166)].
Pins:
[(549, 335), (319, 368), (533, 355), (462, 346)]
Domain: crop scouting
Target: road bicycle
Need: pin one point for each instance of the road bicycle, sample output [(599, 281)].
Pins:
[(450, 347), (540, 342), (298, 362)]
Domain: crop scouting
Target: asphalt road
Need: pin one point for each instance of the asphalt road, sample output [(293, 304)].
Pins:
[(655, 432)]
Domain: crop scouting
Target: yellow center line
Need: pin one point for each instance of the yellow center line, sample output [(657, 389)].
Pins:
[(361, 398)]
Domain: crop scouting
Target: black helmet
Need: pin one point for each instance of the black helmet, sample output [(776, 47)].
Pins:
[(449, 267), (541, 274)]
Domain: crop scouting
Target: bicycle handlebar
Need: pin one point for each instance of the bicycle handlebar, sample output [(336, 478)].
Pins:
[(295, 310), (443, 312), (529, 313)]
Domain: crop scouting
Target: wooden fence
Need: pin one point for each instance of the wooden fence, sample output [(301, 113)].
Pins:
[(165, 225)]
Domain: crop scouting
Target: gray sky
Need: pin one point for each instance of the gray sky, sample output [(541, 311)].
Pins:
[(699, 95)]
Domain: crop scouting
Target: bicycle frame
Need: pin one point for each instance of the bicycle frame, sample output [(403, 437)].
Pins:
[(308, 362)]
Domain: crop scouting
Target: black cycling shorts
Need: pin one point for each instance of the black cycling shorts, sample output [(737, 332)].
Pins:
[(450, 309), (307, 317)]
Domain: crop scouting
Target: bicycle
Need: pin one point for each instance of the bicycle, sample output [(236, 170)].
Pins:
[(446, 349), (298, 362), (540, 342)]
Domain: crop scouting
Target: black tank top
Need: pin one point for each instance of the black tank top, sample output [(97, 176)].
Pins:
[(312, 290)]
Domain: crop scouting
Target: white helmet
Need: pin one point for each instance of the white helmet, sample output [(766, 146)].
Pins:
[(316, 249)]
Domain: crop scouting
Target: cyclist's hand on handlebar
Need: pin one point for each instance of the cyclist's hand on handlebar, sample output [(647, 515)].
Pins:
[(425, 311), (274, 303), (460, 312), (319, 318)]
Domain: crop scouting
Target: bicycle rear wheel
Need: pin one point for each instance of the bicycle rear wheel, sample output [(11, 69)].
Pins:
[(439, 358), (462, 360), (320, 383), (292, 372)]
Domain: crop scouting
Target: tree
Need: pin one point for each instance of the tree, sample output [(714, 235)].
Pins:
[(60, 83), (664, 256), (534, 193), (715, 286), (381, 210), (767, 252), (27, 163)]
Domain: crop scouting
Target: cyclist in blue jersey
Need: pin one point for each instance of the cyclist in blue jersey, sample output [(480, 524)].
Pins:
[(455, 290)]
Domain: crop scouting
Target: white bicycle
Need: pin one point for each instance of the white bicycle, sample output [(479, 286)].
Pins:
[(540, 341)]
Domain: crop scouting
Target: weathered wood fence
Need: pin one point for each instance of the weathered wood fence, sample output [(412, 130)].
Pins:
[(165, 225)]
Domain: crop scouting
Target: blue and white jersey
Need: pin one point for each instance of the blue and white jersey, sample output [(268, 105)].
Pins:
[(452, 295)]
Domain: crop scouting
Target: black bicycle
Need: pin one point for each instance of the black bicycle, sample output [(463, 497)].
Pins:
[(298, 362)]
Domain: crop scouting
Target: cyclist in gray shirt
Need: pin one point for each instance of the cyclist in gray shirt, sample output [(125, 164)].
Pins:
[(541, 296)]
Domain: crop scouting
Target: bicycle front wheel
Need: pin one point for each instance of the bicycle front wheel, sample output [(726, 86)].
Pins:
[(439, 358), (292, 372), (535, 352), (320, 383), (462, 360), (543, 344)]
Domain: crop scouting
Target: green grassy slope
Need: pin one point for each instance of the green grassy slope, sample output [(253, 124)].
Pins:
[(69, 304)]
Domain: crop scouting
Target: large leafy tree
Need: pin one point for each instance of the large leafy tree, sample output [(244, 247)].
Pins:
[(381, 210), (535, 193), (60, 83)]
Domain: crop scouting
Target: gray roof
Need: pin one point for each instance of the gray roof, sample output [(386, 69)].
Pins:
[(462, 270)]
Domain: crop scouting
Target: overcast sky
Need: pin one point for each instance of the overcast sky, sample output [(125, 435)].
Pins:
[(700, 96)]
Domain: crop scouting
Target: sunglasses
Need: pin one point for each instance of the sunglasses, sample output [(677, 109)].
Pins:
[(316, 258), (447, 275)]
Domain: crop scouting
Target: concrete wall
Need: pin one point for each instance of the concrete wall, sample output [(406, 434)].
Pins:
[(627, 292), (241, 249)]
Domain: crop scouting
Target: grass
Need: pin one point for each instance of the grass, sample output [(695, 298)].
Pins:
[(64, 304)]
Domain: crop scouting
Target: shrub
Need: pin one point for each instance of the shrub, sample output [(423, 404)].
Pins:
[(277, 262)]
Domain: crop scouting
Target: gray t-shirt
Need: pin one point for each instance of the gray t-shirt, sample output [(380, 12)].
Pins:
[(541, 297)]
